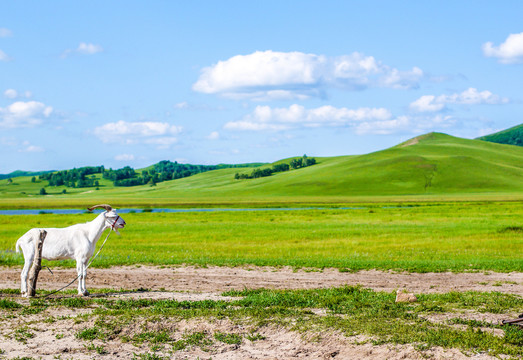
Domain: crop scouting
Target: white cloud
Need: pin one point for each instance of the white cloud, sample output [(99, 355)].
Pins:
[(406, 125), (5, 33), (401, 79), (182, 105), (8, 141), (89, 49), (215, 135), (383, 127), (83, 49), (162, 142), (296, 116), (265, 75), (124, 157), (509, 52), (378, 121), (24, 114), (13, 94), (148, 132), (260, 69), (426, 103), (28, 147), (3, 56), (471, 96)]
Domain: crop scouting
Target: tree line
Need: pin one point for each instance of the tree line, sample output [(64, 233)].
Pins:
[(162, 171), (127, 176), (75, 178), (296, 163)]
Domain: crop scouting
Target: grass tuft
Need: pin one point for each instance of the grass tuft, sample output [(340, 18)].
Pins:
[(231, 339)]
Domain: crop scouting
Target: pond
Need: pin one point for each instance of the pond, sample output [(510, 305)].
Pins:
[(163, 210)]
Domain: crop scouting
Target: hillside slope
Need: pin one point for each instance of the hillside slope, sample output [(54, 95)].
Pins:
[(19, 173), (512, 136), (433, 164)]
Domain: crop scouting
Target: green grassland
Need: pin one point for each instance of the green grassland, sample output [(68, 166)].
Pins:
[(424, 237), (431, 167), (433, 203)]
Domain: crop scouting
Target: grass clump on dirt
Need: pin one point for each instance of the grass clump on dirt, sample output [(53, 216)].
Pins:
[(348, 310), (355, 311), (351, 310), (9, 304), (197, 339), (231, 339)]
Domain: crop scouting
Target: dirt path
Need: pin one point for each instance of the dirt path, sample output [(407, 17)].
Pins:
[(196, 283), (215, 279)]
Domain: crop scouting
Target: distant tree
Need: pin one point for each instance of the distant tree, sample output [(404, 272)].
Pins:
[(294, 164), (280, 167), (310, 161), (33, 179), (9, 181), (43, 192), (64, 191)]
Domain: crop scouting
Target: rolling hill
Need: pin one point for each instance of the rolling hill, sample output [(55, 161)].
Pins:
[(19, 173), (512, 136), (430, 165), (434, 163)]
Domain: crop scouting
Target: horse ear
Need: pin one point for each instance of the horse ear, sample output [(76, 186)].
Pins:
[(103, 206)]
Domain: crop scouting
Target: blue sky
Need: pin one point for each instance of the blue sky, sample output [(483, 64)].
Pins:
[(119, 83)]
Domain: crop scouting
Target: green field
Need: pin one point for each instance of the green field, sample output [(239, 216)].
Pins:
[(420, 237), (432, 167), (433, 203)]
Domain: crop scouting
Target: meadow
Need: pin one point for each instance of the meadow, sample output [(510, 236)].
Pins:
[(433, 204), (417, 237), (430, 168)]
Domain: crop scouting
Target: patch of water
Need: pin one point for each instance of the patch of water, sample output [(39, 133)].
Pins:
[(162, 210)]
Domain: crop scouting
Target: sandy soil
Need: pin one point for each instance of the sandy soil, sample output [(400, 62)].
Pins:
[(215, 279), (196, 283)]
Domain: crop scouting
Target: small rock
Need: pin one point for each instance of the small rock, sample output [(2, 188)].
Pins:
[(332, 354)]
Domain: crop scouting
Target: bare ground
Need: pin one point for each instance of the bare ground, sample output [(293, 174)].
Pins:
[(214, 279), (197, 283)]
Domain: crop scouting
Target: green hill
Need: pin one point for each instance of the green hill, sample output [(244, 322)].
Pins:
[(429, 164), (512, 136), (19, 173), (433, 166)]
